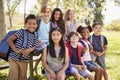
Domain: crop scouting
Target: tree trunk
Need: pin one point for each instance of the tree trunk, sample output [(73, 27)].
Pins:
[(2, 21), (10, 18), (25, 9)]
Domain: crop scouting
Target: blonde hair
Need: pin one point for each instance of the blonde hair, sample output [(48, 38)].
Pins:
[(66, 18), (45, 8)]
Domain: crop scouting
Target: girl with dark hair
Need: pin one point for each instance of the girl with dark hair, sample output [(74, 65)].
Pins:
[(57, 19), (55, 56), (86, 57)]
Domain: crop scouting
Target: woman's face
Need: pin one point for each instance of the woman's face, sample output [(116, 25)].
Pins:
[(71, 15), (85, 33), (57, 15), (56, 36)]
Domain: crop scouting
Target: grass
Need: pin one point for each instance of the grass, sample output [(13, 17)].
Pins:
[(112, 58)]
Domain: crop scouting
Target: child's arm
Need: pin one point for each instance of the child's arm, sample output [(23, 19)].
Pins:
[(10, 41), (28, 51), (45, 65), (78, 67), (105, 48)]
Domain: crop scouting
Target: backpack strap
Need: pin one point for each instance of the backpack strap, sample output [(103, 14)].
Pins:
[(83, 44), (102, 40), (25, 38), (38, 22), (101, 37), (69, 49), (91, 38), (79, 52)]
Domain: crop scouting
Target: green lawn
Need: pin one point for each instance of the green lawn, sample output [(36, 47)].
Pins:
[(112, 57)]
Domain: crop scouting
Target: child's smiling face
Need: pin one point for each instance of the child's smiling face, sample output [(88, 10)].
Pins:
[(74, 38), (56, 36), (85, 33), (31, 25), (97, 29)]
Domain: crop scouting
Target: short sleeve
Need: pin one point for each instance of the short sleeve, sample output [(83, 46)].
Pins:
[(105, 41), (19, 33)]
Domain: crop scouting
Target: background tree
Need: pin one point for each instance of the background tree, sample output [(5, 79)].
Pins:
[(2, 21), (97, 7), (11, 6), (117, 2)]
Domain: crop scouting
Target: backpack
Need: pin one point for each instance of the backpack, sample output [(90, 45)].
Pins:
[(68, 70), (4, 46), (83, 44), (101, 37)]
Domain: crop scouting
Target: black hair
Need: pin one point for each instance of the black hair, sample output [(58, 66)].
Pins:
[(71, 34), (60, 21), (30, 16), (61, 43), (80, 28), (96, 23)]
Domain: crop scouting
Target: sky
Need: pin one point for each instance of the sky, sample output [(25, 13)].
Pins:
[(112, 11)]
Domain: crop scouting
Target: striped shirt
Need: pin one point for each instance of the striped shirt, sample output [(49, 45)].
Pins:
[(31, 41)]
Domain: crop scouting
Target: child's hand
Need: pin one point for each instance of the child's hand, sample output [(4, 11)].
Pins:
[(79, 67), (59, 75), (27, 51), (100, 54), (83, 67), (40, 42), (53, 76), (17, 51)]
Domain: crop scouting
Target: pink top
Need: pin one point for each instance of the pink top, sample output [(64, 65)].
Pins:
[(86, 55)]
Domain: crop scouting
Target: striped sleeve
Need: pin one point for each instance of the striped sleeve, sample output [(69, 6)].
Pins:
[(19, 33)]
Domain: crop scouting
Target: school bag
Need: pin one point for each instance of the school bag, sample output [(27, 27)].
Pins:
[(4, 46), (68, 70), (83, 44), (101, 37)]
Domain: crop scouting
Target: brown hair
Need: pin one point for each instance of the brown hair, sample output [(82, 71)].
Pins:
[(44, 8), (71, 34), (96, 23), (66, 17)]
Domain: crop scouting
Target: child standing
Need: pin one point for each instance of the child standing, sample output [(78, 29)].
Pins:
[(75, 49), (70, 22), (91, 65), (19, 56), (99, 43), (44, 25), (55, 57), (57, 19)]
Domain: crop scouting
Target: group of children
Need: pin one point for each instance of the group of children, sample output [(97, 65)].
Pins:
[(64, 47)]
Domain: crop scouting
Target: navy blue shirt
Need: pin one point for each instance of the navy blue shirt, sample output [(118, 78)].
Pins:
[(74, 59), (97, 42)]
